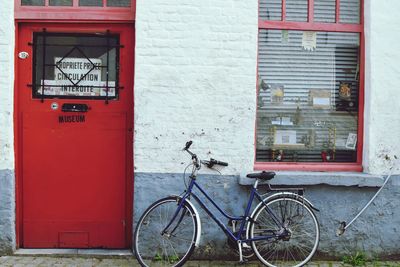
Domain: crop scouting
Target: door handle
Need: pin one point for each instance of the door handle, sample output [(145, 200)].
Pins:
[(71, 107)]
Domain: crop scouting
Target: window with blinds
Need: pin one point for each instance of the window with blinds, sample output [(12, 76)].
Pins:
[(98, 3), (308, 83), (66, 10)]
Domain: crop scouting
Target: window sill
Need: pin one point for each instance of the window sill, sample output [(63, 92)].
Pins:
[(309, 167), (318, 178)]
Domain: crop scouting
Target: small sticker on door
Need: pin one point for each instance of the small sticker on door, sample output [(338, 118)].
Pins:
[(23, 55), (72, 119)]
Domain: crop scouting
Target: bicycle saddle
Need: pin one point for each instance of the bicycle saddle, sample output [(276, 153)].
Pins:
[(261, 175)]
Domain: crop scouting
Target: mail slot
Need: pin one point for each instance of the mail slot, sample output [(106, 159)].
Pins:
[(70, 107)]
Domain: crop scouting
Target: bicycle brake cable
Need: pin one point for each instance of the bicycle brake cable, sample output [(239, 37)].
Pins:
[(184, 174)]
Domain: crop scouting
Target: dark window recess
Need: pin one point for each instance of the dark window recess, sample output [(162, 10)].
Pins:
[(75, 66), (119, 3), (32, 2), (60, 2), (91, 3)]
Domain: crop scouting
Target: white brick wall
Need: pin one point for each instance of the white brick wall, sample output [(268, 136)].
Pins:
[(195, 79), (7, 38), (382, 125)]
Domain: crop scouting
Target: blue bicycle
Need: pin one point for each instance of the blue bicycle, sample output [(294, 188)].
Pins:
[(282, 230)]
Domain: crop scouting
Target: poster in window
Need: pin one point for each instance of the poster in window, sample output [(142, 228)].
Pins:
[(351, 141), (284, 137), (320, 98), (309, 41), (77, 77), (277, 93), (345, 91)]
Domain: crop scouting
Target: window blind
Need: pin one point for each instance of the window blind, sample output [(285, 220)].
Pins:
[(324, 10), (302, 114)]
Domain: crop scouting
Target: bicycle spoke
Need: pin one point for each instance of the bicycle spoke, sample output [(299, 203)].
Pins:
[(298, 245), (155, 245)]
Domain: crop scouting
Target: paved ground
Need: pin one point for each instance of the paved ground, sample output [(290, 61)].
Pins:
[(30, 261)]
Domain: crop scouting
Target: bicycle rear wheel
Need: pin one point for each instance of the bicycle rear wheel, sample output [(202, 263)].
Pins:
[(298, 246), (173, 247)]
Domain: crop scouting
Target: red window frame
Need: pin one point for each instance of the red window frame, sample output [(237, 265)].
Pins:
[(310, 25), (74, 12)]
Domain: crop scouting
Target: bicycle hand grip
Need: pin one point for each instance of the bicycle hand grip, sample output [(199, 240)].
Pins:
[(188, 144), (217, 162)]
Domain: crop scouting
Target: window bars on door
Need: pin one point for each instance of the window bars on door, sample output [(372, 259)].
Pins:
[(75, 66)]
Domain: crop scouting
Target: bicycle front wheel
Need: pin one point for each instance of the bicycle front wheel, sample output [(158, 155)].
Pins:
[(296, 237), (156, 245)]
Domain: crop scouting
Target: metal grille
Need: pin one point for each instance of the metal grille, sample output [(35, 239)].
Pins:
[(97, 55)]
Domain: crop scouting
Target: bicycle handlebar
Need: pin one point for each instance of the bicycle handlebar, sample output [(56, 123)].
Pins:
[(217, 162), (209, 163), (188, 144)]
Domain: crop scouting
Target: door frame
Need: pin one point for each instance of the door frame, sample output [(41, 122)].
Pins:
[(129, 180)]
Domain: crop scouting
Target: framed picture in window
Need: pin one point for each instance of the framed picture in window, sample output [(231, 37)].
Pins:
[(320, 98), (351, 141), (345, 91), (277, 93)]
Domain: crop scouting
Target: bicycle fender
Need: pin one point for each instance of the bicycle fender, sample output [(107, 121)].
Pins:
[(288, 194), (197, 242)]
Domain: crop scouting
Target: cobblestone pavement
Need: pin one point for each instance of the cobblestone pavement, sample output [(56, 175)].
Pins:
[(29, 261)]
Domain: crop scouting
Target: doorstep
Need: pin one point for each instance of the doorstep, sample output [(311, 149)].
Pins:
[(83, 252)]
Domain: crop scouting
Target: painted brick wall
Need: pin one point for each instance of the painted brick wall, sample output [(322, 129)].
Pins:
[(374, 233), (195, 79), (382, 84), (7, 195), (6, 84)]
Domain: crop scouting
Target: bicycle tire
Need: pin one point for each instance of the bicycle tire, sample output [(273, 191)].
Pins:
[(152, 248), (302, 223)]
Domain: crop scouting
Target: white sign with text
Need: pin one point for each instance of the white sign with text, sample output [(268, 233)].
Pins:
[(86, 74)]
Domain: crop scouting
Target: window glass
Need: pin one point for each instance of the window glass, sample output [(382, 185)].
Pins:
[(308, 92), (349, 11), (32, 2), (119, 3), (297, 10), (325, 11), (60, 2), (91, 3), (270, 9), (75, 66)]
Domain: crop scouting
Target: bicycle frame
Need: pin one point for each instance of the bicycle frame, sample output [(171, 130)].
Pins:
[(243, 219), (271, 219)]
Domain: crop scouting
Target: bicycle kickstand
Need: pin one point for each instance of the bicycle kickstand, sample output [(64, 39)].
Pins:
[(241, 259)]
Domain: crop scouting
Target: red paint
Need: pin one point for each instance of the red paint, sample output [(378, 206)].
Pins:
[(75, 12), (320, 166), (310, 11), (18, 202), (337, 11), (75, 180), (328, 27)]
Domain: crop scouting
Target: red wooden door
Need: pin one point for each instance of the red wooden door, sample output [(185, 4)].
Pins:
[(75, 119)]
